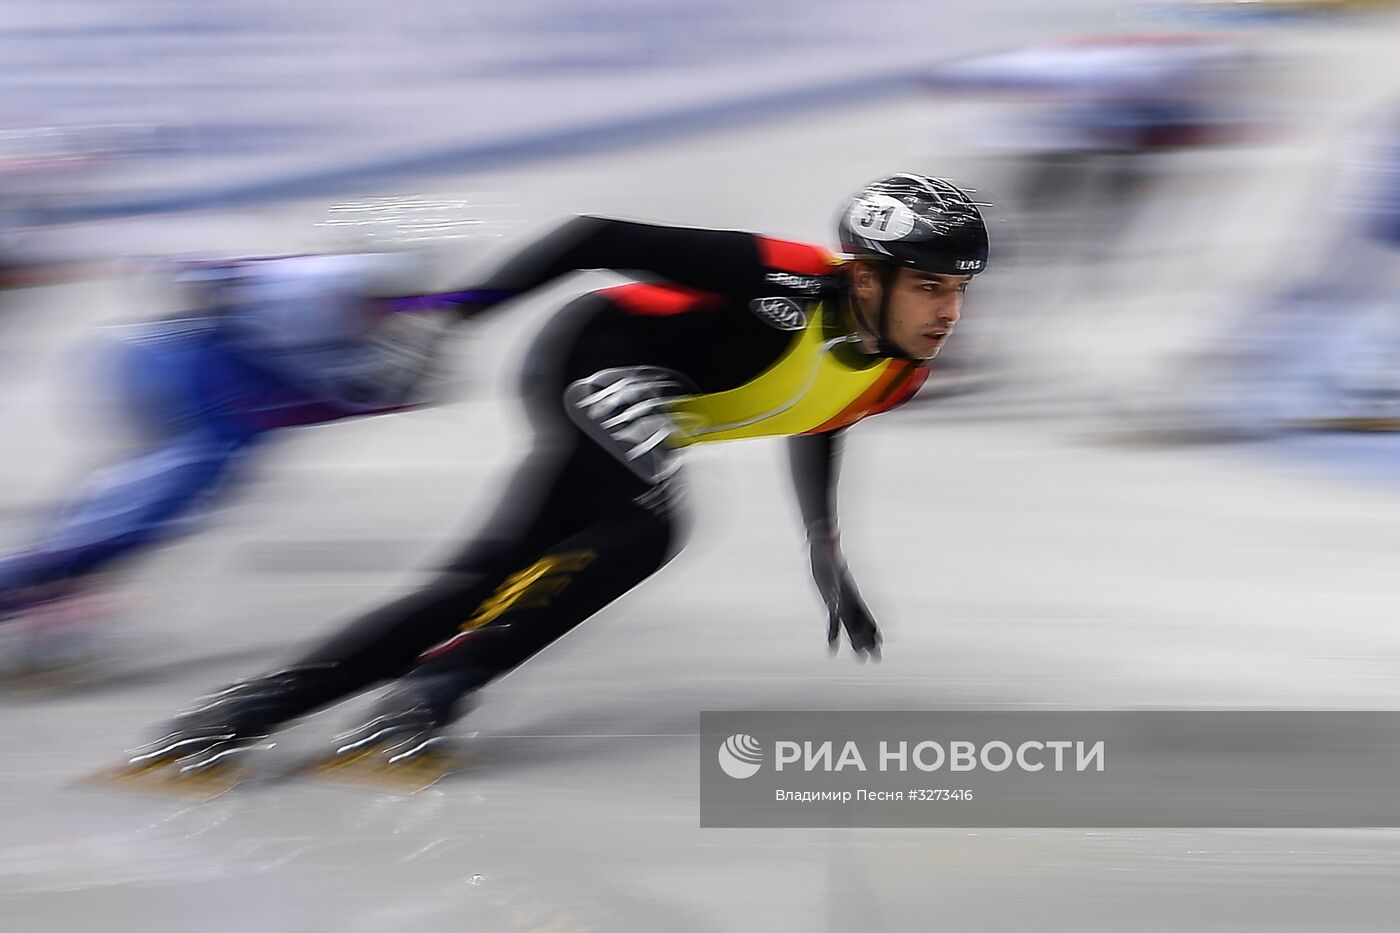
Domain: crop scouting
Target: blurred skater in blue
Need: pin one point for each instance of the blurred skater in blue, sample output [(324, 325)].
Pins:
[(270, 343), (1323, 350)]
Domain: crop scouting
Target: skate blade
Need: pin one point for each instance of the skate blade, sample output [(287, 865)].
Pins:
[(167, 779), (1358, 425), (38, 682), (370, 768), (21, 676)]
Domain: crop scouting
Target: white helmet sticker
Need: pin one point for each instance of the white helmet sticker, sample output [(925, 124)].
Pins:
[(880, 217)]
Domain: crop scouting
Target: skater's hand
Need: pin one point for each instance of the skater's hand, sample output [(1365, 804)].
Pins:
[(845, 608)]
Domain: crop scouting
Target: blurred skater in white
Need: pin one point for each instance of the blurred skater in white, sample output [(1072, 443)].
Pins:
[(1089, 128), (1080, 139)]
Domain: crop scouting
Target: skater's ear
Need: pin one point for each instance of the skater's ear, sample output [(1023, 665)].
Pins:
[(865, 282)]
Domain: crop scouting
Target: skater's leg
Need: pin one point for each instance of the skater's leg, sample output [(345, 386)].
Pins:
[(124, 508), (531, 609), (588, 494), (547, 598), (576, 575)]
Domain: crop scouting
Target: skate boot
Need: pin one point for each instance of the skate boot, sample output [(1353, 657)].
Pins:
[(205, 747), (400, 745)]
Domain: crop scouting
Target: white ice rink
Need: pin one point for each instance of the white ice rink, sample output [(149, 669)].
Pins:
[(1014, 561)]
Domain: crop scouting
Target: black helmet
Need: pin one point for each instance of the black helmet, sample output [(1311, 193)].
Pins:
[(913, 220)]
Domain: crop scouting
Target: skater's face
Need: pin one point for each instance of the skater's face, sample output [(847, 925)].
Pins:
[(923, 307)]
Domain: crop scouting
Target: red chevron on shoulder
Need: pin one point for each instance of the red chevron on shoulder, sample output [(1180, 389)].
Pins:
[(790, 256)]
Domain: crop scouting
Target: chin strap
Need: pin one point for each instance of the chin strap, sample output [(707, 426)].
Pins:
[(883, 345)]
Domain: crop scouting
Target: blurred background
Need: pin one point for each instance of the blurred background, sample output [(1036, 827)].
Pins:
[(1161, 449)]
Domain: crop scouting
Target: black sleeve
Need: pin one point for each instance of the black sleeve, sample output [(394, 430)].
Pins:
[(726, 262), (816, 465)]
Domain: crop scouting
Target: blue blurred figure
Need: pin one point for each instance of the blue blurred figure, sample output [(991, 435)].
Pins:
[(272, 343), (1324, 351)]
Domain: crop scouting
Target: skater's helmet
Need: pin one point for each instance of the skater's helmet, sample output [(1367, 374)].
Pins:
[(929, 224)]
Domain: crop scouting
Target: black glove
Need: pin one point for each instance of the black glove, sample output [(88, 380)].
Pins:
[(843, 603)]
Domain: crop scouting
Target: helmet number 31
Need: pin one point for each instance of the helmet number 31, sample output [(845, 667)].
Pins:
[(881, 217)]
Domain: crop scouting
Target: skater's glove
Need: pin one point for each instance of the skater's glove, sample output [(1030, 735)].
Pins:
[(845, 609)]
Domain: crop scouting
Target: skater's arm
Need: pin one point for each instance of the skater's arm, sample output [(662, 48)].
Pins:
[(816, 461), (816, 464), (726, 262)]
